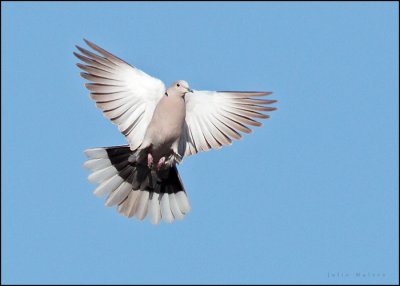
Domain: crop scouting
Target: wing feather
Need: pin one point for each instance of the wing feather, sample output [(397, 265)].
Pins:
[(99, 79), (214, 118), (126, 95), (97, 58)]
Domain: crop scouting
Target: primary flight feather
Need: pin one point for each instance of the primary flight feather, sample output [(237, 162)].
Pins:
[(162, 126)]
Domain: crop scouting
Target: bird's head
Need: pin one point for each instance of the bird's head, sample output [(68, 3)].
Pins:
[(180, 87)]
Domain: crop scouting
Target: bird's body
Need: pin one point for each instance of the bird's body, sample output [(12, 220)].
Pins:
[(162, 127), (165, 128)]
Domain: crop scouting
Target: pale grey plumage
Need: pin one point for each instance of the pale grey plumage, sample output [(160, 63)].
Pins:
[(166, 125), (162, 127)]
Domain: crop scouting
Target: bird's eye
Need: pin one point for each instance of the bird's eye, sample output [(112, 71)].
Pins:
[(178, 85)]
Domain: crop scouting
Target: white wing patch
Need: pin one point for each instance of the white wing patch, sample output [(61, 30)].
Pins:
[(125, 94), (214, 118)]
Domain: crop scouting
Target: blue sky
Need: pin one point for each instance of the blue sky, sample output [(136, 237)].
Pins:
[(310, 197)]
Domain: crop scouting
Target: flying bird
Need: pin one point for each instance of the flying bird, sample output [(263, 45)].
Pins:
[(162, 126)]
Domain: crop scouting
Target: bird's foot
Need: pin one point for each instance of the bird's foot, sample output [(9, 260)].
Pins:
[(160, 163), (149, 160)]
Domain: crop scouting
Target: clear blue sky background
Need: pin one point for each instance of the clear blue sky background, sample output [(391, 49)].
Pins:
[(312, 193)]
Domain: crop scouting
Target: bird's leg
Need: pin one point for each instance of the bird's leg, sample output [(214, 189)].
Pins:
[(160, 163), (149, 160)]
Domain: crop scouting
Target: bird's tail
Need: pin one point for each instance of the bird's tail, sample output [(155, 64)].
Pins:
[(134, 188)]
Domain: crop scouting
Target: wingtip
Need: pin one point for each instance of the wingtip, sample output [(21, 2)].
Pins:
[(249, 93), (79, 65), (76, 54), (91, 44), (84, 75), (82, 50), (261, 93)]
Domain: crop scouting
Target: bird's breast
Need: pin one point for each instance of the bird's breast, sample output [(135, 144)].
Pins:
[(167, 123)]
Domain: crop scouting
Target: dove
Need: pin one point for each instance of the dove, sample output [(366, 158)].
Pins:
[(162, 126)]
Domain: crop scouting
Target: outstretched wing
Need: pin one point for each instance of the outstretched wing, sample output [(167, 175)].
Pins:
[(125, 94), (214, 118)]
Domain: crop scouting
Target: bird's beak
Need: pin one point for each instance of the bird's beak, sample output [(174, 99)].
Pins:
[(190, 90)]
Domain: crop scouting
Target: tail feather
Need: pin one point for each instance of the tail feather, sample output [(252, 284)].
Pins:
[(154, 208), (109, 185), (129, 204), (176, 212), (183, 202), (134, 188), (102, 174), (97, 164), (166, 212), (96, 153), (142, 205), (119, 194)]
